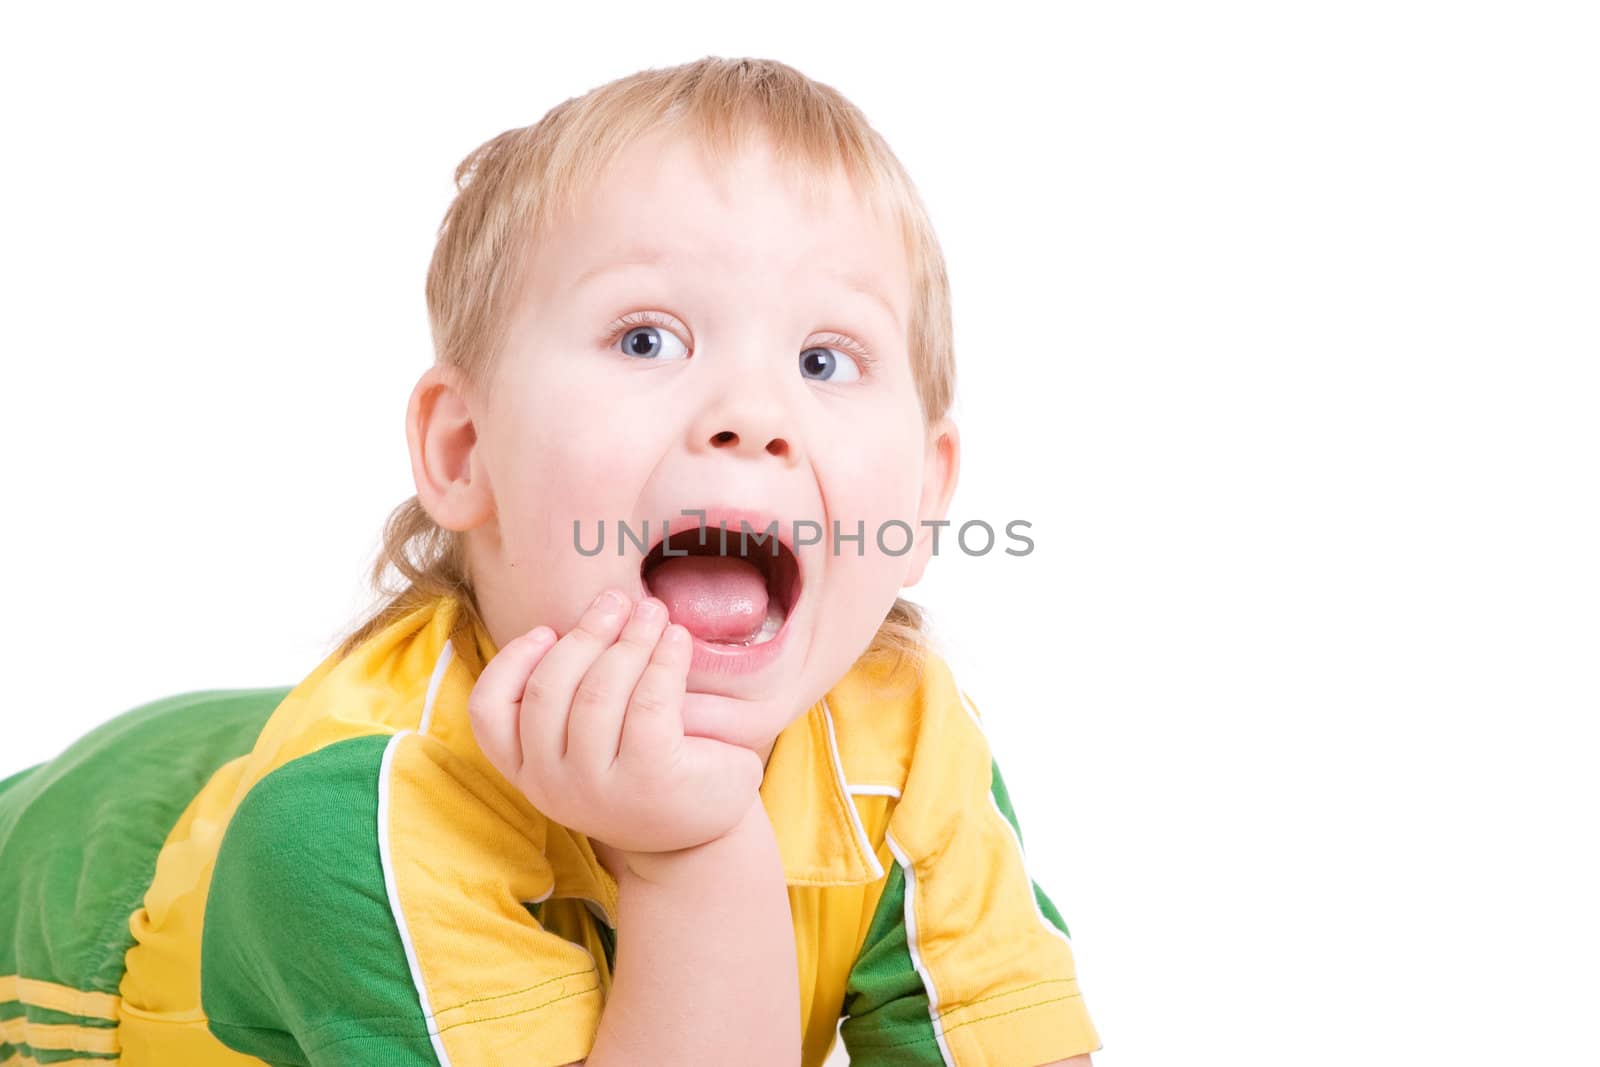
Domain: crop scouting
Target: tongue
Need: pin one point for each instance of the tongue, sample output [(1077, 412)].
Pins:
[(716, 598)]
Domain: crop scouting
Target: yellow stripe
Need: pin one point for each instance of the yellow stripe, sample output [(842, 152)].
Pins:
[(59, 1036), (60, 998)]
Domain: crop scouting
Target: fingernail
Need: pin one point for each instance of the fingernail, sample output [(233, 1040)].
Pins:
[(647, 611), (608, 603)]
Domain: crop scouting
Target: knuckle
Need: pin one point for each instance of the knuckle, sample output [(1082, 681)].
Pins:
[(637, 638), (537, 691), (585, 642), (592, 691), (592, 628), (651, 702)]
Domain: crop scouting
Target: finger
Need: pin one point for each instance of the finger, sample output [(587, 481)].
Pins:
[(493, 705), (547, 699), (595, 726), (654, 722)]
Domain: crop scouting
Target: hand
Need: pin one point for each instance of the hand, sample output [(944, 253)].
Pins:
[(590, 728), (727, 855)]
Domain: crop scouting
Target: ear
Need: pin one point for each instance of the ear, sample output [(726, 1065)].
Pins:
[(452, 485), (940, 472)]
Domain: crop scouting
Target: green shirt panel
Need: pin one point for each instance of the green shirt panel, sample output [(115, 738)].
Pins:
[(886, 1021), (301, 959), (80, 833)]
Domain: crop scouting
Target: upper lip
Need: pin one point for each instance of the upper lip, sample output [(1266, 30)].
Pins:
[(755, 524)]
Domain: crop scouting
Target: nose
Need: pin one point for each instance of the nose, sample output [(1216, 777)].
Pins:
[(730, 439), (749, 422)]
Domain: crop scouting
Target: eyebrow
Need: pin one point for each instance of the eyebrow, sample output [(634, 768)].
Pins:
[(633, 257), (651, 257), (858, 283)]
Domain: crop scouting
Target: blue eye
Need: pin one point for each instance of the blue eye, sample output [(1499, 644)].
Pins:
[(828, 365), (652, 342)]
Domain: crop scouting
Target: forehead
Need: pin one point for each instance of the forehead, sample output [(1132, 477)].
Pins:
[(664, 201)]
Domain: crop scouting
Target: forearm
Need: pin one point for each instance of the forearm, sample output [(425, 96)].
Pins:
[(705, 966)]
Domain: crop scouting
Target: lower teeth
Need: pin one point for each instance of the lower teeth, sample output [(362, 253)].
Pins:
[(769, 628)]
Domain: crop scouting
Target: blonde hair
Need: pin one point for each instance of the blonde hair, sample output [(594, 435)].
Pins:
[(512, 188)]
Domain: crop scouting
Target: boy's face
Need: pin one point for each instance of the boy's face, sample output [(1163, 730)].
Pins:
[(699, 399)]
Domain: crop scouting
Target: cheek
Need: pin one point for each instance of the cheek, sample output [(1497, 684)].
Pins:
[(565, 466), (868, 487), (563, 446), (873, 465)]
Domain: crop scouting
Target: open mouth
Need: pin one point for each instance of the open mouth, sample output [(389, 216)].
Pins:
[(731, 592)]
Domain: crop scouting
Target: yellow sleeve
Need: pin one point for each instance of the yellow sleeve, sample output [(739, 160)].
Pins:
[(967, 961)]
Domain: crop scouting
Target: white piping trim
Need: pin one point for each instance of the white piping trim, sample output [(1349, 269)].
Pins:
[(875, 790), (446, 654), (1023, 859), (911, 944), (597, 910), (855, 817), (971, 710), (394, 897)]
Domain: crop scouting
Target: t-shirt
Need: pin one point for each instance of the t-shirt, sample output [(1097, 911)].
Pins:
[(359, 885)]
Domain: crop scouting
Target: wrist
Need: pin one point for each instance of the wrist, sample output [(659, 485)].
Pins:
[(748, 847)]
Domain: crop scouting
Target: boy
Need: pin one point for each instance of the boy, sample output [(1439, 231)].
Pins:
[(548, 807)]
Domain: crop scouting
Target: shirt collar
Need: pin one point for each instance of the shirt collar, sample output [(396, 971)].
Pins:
[(820, 838), (819, 832)]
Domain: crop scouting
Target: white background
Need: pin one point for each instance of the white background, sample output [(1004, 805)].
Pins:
[(1278, 321)]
